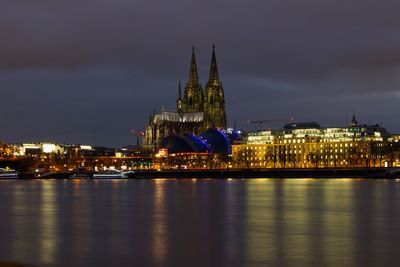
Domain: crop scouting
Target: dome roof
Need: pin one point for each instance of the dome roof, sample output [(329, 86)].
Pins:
[(184, 144), (217, 141), (211, 141), (233, 135)]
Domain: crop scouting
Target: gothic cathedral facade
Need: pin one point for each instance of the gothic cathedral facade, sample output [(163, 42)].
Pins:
[(196, 110)]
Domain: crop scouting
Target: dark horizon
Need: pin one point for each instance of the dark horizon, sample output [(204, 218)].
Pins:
[(89, 72)]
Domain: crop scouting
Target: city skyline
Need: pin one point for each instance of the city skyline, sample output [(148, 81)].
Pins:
[(78, 74)]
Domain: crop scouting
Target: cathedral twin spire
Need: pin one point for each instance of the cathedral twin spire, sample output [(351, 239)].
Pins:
[(193, 75), (214, 100), (213, 69), (193, 96), (211, 102)]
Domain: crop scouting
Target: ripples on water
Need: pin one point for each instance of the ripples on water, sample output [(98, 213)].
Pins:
[(260, 222)]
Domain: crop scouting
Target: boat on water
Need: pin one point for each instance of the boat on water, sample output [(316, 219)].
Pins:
[(81, 173), (8, 174), (109, 174), (79, 176)]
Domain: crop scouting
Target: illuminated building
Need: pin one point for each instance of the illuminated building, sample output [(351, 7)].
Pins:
[(307, 145), (36, 149), (214, 99), (208, 150), (196, 110), (6, 151)]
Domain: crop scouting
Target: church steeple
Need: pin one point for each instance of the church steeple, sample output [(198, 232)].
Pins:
[(193, 96), (213, 69), (193, 75), (214, 99), (354, 122)]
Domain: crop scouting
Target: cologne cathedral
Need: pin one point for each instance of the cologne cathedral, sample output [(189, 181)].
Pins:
[(196, 109)]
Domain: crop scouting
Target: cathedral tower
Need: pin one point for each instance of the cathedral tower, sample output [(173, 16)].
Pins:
[(193, 96), (214, 100)]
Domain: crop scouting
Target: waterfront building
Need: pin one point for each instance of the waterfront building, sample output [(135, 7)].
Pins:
[(61, 157), (307, 145), (210, 150), (46, 150), (39, 149), (6, 151), (196, 110)]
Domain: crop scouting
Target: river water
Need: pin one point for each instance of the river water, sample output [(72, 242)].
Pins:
[(254, 222)]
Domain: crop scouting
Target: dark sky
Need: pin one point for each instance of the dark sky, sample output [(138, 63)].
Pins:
[(88, 71)]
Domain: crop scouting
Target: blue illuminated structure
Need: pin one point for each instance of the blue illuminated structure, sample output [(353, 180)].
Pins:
[(212, 141)]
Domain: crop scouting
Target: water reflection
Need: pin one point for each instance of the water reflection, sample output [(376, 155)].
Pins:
[(49, 223), (315, 225), (295, 218), (233, 221), (258, 223), (78, 221), (263, 222), (300, 222), (159, 223), (338, 222), (19, 210)]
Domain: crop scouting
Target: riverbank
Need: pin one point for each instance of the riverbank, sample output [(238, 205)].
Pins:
[(384, 173), (372, 173)]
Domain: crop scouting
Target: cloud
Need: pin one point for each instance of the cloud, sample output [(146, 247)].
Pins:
[(124, 58)]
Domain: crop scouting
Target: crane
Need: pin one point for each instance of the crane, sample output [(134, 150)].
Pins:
[(260, 122), (138, 134)]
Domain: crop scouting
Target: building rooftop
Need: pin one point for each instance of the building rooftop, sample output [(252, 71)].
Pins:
[(301, 125)]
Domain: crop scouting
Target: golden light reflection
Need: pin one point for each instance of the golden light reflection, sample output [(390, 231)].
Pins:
[(49, 223), (160, 180), (76, 181), (260, 221), (338, 217), (261, 180), (159, 224), (296, 219), (345, 180), (309, 179)]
